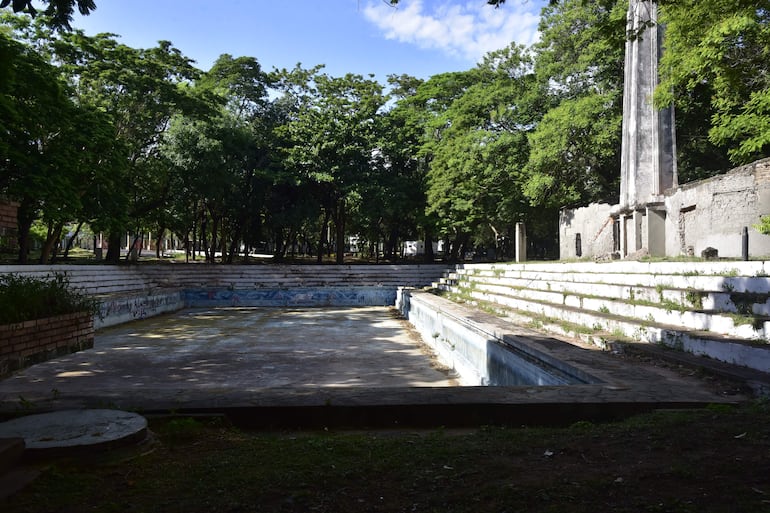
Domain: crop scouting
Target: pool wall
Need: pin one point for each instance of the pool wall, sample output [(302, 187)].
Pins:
[(291, 297), (120, 309), (115, 310), (479, 353)]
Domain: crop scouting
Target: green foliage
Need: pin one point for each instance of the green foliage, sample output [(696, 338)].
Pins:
[(725, 44), (763, 226), (330, 140), (24, 298), (574, 154), (476, 145), (575, 146), (58, 13), (139, 140)]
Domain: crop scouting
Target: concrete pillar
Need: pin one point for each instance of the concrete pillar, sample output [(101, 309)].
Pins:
[(648, 148), (623, 235), (521, 242), (638, 231), (656, 232)]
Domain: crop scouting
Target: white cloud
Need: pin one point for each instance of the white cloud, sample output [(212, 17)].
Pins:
[(465, 30)]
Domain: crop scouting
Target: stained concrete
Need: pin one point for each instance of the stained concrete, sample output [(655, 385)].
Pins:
[(338, 367), (238, 349), (72, 431)]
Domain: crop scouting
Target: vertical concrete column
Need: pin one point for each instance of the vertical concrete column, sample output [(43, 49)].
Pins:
[(656, 232), (521, 242), (638, 232), (623, 229), (648, 162)]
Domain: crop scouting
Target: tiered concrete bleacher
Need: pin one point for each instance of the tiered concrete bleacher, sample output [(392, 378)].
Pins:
[(125, 293), (134, 292), (715, 309)]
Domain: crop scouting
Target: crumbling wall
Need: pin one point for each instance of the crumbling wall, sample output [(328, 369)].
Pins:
[(592, 225), (713, 212)]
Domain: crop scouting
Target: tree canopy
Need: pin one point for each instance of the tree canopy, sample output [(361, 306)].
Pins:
[(59, 12), (138, 141)]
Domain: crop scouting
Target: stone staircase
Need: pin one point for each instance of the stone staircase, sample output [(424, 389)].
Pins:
[(716, 309)]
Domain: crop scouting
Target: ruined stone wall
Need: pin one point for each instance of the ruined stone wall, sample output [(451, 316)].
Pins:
[(713, 212), (594, 226)]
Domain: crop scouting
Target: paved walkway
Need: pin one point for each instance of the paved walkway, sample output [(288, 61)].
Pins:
[(313, 367)]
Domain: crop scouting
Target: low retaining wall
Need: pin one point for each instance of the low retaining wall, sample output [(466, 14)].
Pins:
[(27, 343), (292, 297), (130, 293), (119, 309), (479, 353)]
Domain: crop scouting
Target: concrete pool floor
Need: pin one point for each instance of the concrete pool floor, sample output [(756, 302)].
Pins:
[(316, 367)]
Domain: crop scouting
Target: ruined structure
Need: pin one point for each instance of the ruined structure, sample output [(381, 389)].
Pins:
[(655, 215)]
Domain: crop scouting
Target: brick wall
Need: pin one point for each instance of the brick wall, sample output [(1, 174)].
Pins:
[(8, 224), (27, 343), (8, 214)]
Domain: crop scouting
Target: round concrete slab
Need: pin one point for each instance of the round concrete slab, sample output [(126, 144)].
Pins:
[(75, 430)]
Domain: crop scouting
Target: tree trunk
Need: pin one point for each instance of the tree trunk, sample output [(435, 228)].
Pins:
[(135, 249), (113, 248), (340, 226), (464, 246), (54, 233), (25, 216), (159, 241), (322, 237), (214, 241), (71, 240), (429, 256), (454, 253), (392, 254)]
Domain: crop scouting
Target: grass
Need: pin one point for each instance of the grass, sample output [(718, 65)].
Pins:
[(704, 460)]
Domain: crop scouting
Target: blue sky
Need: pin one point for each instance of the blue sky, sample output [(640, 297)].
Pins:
[(419, 37)]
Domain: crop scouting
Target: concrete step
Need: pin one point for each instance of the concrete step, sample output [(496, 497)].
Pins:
[(694, 268), (689, 298), (750, 327), (723, 348), (717, 283)]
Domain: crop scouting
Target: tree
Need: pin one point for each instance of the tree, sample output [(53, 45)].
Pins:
[(140, 90), (57, 155), (332, 137), (479, 147), (58, 12), (722, 48), (391, 203), (220, 158), (575, 147)]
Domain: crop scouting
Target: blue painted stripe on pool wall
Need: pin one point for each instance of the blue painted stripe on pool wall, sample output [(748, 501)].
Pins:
[(326, 296)]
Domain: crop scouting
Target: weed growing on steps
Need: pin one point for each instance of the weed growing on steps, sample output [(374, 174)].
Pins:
[(695, 298)]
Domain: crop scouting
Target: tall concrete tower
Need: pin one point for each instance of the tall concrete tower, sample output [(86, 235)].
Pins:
[(648, 151)]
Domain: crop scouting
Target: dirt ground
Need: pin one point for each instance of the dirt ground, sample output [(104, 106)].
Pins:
[(712, 460)]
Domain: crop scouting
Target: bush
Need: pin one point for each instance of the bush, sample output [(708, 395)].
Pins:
[(25, 299)]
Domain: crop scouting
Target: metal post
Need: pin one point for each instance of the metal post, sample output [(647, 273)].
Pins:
[(745, 243)]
